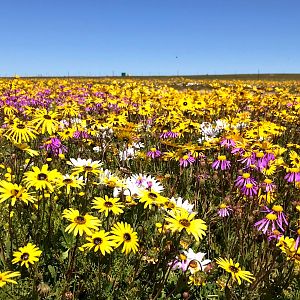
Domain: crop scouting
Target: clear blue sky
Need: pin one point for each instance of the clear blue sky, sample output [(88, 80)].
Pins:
[(166, 37)]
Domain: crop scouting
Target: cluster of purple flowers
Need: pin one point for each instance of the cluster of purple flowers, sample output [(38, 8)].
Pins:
[(54, 146)]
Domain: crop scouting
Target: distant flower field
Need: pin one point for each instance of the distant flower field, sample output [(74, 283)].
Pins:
[(149, 189)]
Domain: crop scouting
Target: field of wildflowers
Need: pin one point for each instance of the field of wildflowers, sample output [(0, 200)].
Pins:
[(149, 189)]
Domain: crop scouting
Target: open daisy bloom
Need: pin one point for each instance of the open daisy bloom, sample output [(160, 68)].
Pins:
[(85, 166), (42, 178), (235, 270), (180, 220), (151, 198), (26, 255), (100, 241), (21, 132), (45, 121), (6, 277), (123, 233), (71, 181), (108, 204), (14, 192), (79, 223)]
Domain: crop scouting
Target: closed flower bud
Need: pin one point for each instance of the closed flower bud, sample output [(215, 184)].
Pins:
[(43, 289)]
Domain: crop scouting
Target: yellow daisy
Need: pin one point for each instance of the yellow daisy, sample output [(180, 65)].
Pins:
[(124, 234), (181, 219), (6, 277), (26, 255), (107, 204), (80, 223), (235, 270), (100, 241)]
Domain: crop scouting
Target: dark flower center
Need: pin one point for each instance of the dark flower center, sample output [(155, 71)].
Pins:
[(169, 204), (14, 192), (88, 168), (25, 256), (47, 117), (193, 264), (127, 237), (80, 220), (20, 126), (185, 222), (108, 204), (185, 103), (68, 181), (233, 269), (152, 196), (42, 176), (97, 241)]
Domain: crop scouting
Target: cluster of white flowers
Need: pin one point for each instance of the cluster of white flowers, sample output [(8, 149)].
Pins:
[(210, 131), (130, 152)]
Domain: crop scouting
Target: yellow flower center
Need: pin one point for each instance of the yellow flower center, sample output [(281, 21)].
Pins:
[(276, 232), (259, 154), (182, 256), (223, 205), (185, 157), (267, 181), (249, 185), (185, 222), (298, 231), (271, 217), (277, 208), (153, 149), (246, 175), (221, 157)]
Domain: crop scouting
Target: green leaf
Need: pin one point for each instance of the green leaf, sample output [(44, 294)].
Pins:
[(52, 271)]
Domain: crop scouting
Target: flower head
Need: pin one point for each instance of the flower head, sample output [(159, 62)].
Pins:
[(101, 241), (124, 234), (235, 270), (80, 223), (26, 255), (6, 277), (107, 205), (182, 220)]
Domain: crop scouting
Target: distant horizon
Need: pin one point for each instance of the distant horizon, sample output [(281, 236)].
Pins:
[(152, 75)]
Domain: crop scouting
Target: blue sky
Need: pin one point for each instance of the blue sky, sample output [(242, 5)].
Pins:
[(154, 37)]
